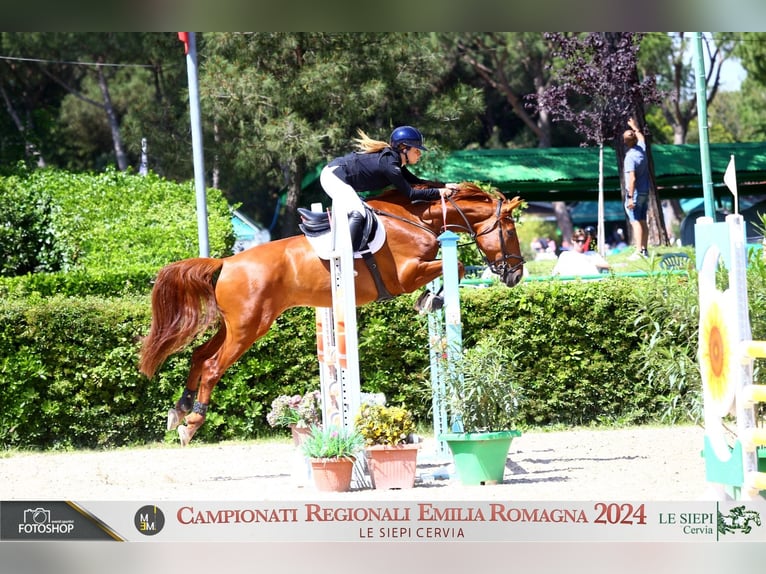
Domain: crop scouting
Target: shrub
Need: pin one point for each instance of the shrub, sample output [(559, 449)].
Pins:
[(385, 425), (107, 221)]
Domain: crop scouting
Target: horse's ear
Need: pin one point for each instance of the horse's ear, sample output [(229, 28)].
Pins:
[(515, 202)]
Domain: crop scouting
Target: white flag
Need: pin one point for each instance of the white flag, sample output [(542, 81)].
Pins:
[(730, 178)]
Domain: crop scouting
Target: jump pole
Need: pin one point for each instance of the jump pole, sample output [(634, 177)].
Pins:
[(337, 342), (445, 338)]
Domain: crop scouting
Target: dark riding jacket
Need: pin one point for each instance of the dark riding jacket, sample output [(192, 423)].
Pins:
[(378, 170)]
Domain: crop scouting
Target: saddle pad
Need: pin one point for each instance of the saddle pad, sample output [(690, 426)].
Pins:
[(323, 247)]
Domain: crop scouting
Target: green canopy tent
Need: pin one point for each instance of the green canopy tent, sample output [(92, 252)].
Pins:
[(571, 174)]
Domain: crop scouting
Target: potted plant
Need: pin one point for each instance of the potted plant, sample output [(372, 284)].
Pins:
[(332, 453), (391, 456), (482, 396), (297, 412)]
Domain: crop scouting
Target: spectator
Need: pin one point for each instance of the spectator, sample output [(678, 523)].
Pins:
[(544, 248), (636, 168), (580, 260)]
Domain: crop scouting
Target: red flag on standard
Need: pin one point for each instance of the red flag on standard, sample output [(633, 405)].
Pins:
[(730, 179), (184, 37)]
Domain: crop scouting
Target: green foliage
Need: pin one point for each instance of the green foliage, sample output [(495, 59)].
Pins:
[(107, 222), (619, 350), (80, 283), (483, 386), (332, 443), (28, 243)]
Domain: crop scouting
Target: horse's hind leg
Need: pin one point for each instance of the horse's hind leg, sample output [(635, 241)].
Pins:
[(238, 339), (185, 404)]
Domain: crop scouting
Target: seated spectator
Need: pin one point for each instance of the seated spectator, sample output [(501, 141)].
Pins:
[(580, 260), (618, 241), (544, 248)]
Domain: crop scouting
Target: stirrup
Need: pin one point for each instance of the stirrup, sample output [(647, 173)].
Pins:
[(428, 303)]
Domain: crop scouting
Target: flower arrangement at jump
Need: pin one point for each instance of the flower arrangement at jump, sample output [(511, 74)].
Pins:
[(482, 394), (299, 410), (332, 452), (333, 443), (383, 425), (391, 455), (298, 413)]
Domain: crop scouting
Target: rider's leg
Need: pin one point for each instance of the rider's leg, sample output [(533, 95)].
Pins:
[(356, 221), (345, 197)]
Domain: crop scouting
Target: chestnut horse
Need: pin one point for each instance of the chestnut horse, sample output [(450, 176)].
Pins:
[(246, 292)]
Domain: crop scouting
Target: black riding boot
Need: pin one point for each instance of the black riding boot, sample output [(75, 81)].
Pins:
[(356, 223)]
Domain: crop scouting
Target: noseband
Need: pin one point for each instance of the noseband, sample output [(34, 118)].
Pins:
[(500, 266)]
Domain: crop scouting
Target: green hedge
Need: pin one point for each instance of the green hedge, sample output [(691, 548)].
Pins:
[(617, 350), (53, 220)]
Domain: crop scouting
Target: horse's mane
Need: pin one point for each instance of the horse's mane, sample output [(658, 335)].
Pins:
[(467, 190)]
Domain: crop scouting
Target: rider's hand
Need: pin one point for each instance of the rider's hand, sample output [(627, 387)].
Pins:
[(449, 189)]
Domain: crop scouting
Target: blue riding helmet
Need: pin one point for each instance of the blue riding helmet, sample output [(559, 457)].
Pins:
[(408, 136)]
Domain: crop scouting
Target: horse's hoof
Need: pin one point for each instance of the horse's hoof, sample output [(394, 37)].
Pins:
[(184, 434), (174, 418), (428, 303)]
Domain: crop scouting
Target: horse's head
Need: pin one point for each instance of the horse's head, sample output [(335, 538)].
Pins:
[(489, 218)]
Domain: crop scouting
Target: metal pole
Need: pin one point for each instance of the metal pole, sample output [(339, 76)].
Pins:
[(452, 323), (707, 179), (196, 131)]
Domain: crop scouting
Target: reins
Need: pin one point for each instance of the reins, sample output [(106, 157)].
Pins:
[(496, 266)]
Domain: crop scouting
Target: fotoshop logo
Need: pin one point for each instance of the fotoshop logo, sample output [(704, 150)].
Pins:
[(149, 520), (38, 521)]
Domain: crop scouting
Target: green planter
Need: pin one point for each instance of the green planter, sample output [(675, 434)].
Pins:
[(480, 456)]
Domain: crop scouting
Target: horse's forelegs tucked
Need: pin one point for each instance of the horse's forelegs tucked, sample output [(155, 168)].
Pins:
[(416, 274)]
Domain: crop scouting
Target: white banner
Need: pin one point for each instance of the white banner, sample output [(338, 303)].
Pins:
[(731, 521)]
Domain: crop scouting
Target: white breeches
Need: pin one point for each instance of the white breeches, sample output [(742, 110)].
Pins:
[(342, 194)]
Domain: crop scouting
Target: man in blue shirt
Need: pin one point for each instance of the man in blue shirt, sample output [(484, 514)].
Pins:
[(636, 168)]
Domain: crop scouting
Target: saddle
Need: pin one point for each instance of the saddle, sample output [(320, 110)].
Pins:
[(316, 227)]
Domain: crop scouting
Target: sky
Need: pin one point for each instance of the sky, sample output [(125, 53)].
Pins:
[(732, 75)]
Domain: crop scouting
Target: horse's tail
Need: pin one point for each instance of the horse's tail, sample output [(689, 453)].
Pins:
[(183, 305)]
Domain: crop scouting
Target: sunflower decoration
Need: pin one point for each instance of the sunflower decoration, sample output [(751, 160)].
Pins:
[(717, 351)]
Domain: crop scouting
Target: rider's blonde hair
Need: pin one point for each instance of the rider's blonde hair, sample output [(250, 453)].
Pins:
[(366, 144)]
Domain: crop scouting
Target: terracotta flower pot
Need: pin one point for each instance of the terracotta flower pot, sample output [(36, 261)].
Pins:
[(332, 474), (392, 466), (299, 434)]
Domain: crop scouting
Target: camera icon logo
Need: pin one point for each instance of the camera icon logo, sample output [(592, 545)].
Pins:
[(37, 515)]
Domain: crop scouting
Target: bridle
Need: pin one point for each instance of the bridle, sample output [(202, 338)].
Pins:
[(501, 265)]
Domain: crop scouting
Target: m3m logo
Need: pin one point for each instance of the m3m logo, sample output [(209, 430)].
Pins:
[(738, 519), (149, 520)]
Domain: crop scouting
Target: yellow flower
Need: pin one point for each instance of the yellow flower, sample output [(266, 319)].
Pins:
[(717, 363)]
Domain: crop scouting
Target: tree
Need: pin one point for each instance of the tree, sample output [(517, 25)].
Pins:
[(668, 57), (95, 89), (597, 90), (751, 50), (283, 102), (514, 64)]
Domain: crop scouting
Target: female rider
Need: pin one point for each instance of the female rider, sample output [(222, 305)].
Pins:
[(376, 165)]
